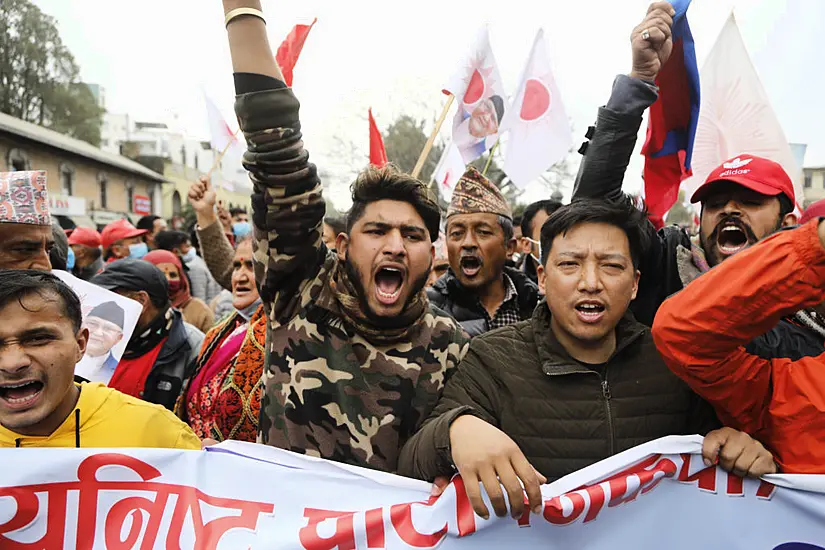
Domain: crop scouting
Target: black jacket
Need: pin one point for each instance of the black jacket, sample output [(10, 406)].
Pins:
[(563, 415), (449, 295), (174, 365)]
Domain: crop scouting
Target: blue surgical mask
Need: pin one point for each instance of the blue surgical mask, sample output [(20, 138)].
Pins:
[(138, 251), (249, 310), (189, 256), (241, 229), (70, 260)]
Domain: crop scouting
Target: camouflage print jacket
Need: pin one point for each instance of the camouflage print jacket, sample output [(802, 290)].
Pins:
[(328, 392)]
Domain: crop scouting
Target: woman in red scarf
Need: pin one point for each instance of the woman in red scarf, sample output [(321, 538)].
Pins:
[(222, 400), (194, 310)]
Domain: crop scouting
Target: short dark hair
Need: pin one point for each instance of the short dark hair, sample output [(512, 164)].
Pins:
[(338, 225), (237, 210), (786, 206), (507, 227), (59, 254), (16, 284), (548, 206), (622, 214), (147, 223), (388, 183), (170, 239)]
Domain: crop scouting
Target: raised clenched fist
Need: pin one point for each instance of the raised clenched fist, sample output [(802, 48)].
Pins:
[(652, 41), (202, 196)]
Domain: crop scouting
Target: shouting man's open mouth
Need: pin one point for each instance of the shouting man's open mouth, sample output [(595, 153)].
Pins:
[(389, 282), (20, 395), (732, 237), (470, 266)]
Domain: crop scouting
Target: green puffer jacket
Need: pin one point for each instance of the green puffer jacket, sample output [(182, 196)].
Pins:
[(563, 415)]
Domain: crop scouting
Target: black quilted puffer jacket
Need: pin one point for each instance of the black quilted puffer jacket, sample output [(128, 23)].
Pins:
[(449, 295)]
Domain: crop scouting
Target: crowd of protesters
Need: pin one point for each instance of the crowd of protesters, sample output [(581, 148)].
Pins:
[(390, 340)]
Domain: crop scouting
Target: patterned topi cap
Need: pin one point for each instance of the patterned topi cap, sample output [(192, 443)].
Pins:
[(475, 194), (24, 198)]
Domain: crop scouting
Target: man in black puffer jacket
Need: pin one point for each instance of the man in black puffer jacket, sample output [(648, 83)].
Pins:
[(479, 291)]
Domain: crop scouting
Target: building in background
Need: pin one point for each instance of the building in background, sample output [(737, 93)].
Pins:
[(87, 186), (181, 159), (813, 172)]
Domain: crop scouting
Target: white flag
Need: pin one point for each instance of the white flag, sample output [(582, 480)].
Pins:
[(225, 142), (482, 102), (449, 170), (539, 132), (736, 116)]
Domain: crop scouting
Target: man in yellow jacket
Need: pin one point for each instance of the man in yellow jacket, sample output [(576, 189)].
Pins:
[(41, 340)]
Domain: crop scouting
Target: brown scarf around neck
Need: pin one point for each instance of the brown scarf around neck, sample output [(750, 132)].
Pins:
[(398, 329)]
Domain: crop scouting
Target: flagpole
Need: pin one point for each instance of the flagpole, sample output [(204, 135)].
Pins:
[(429, 145), (490, 158), (219, 158), (221, 154)]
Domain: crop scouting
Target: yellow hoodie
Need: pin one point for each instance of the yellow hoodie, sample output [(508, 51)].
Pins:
[(104, 417)]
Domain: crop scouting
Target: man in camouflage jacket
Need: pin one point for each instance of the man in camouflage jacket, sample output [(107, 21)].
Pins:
[(356, 357)]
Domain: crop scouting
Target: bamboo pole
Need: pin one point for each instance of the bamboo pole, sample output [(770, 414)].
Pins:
[(429, 145), (490, 158)]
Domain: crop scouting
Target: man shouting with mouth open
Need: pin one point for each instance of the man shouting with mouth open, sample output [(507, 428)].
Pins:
[(480, 291), (746, 199), (356, 357)]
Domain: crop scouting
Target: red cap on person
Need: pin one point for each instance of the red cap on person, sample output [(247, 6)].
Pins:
[(758, 174), (119, 230), (85, 236), (816, 210)]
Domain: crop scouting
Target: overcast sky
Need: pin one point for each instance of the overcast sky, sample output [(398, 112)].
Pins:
[(153, 57)]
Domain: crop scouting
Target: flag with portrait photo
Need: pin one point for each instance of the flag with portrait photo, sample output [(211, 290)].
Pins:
[(481, 100)]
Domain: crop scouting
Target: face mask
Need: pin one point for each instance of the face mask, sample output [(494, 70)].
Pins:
[(70, 260), (538, 244), (241, 229), (189, 256), (138, 251), (174, 286), (249, 310)]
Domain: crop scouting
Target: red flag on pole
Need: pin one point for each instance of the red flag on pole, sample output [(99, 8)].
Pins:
[(290, 50), (378, 155)]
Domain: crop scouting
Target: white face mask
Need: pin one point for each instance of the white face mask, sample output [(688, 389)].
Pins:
[(538, 245), (189, 256)]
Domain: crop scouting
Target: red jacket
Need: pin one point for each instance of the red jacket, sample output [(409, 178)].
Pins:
[(726, 336)]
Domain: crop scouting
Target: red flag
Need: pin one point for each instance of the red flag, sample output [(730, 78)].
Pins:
[(378, 155), (290, 50), (672, 123)]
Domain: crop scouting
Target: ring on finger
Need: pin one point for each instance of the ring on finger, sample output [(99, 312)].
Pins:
[(646, 34)]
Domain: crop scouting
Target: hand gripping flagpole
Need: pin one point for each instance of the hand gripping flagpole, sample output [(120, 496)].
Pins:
[(429, 145)]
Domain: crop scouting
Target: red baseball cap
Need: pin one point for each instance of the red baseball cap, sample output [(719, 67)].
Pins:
[(764, 176), (85, 236), (816, 210), (119, 230)]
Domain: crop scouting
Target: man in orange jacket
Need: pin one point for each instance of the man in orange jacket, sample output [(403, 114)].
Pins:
[(733, 335)]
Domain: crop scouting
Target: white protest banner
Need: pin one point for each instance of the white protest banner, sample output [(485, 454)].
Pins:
[(241, 495), (111, 320)]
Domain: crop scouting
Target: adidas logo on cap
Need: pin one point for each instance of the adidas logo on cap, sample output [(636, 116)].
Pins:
[(736, 163)]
